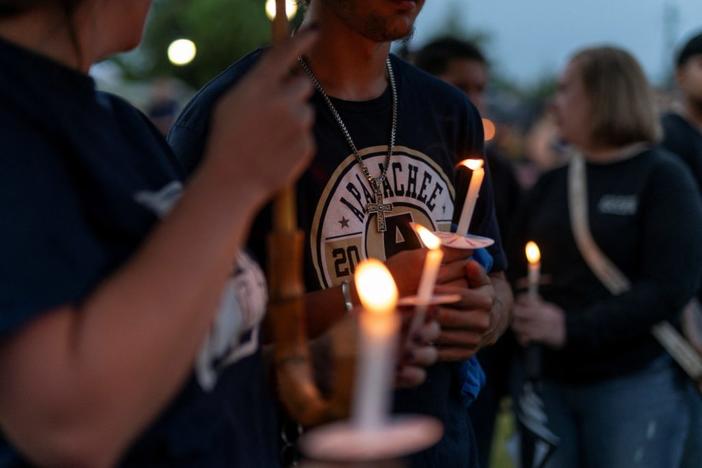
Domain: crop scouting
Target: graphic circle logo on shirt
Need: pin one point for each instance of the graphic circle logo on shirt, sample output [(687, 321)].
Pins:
[(343, 233)]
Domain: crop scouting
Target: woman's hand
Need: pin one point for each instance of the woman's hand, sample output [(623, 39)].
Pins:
[(261, 135), (536, 321)]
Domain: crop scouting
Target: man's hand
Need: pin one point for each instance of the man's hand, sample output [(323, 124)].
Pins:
[(417, 353), (536, 321), (481, 316), (466, 326)]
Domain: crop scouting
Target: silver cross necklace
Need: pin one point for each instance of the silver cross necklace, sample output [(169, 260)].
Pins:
[(378, 206)]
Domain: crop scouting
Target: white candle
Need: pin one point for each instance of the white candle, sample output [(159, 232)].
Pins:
[(432, 263), (375, 370), (533, 255), (476, 180)]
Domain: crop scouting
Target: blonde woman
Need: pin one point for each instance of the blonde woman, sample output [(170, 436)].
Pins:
[(612, 394)]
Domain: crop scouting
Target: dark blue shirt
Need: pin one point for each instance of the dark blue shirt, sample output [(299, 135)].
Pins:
[(85, 178), (437, 128)]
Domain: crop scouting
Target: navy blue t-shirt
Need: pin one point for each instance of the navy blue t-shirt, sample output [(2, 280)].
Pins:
[(85, 178), (437, 128)]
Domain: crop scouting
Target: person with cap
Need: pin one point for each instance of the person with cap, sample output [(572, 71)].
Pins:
[(683, 137)]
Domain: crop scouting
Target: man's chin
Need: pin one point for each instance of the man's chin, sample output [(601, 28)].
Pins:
[(394, 32)]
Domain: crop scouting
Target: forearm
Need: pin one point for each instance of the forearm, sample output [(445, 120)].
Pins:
[(626, 316), (501, 312), (325, 308), (82, 382)]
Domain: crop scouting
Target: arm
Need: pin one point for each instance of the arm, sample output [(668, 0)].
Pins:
[(501, 312), (325, 309), (80, 382)]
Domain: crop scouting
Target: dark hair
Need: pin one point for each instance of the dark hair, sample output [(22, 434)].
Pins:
[(435, 57), (692, 47), (15, 7)]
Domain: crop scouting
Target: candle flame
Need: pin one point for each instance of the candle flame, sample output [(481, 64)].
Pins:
[(427, 237), (533, 253), (472, 164), (290, 9), (376, 287)]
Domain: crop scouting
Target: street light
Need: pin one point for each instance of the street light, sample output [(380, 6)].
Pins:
[(181, 52)]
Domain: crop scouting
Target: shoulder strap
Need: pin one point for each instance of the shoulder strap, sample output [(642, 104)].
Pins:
[(610, 276), (606, 271)]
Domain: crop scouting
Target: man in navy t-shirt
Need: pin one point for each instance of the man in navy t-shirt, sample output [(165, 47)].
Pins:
[(389, 137)]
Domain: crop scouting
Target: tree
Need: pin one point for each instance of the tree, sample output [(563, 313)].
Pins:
[(223, 31)]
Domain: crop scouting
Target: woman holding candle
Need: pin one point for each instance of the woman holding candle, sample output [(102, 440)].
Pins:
[(117, 329), (612, 394)]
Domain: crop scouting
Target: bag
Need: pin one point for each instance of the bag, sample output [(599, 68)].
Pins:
[(681, 350)]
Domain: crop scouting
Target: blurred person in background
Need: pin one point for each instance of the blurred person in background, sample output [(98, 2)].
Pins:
[(163, 106), (683, 137), (463, 65), (683, 128), (611, 393)]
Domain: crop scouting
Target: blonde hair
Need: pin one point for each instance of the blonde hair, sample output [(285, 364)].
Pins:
[(622, 104)]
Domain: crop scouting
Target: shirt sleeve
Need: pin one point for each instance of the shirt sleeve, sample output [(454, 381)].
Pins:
[(484, 223), (49, 256), (671, 266), (188, 135)]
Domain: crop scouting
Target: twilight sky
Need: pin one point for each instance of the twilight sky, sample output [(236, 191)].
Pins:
[(531, 38)]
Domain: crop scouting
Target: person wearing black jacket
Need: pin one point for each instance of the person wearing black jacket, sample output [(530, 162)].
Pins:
[(612, 394), (463, 65), (683, 137)]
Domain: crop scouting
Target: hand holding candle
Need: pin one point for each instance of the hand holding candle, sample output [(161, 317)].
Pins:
[(476, 181), (379, 326), (432, 263), (533, 255), (373, 434)]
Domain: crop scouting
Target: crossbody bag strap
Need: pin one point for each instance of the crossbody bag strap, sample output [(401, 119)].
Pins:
[(611, 277)]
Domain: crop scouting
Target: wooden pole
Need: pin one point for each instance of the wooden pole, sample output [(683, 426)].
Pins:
[(293, 362)]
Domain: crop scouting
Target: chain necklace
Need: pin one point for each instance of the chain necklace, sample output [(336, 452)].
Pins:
[(378, 207)]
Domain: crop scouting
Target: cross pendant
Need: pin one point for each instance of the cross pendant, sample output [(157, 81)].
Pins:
[(379, 208)]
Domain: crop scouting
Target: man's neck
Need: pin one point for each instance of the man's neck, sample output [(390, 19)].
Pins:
[(348, 65), (45, 33)]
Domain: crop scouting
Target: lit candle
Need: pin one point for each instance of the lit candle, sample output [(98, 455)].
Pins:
[(379, 325), (432, 263), (476, 180), (533, 255), (285, 205)]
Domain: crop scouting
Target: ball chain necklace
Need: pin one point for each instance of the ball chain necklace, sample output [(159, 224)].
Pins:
[(378, 206)]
